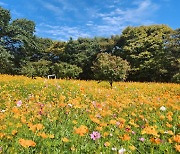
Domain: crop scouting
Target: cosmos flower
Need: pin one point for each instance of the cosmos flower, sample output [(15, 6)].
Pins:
[(162, 108), (19, 103), (95, 135), (177, 147), (82, 130), (142, 139), (27, 143), (121, 151), (106, 144), (114, 148)]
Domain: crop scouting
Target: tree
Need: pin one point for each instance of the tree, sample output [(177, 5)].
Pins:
[(80, 52), (144, 48), (6, 63), (65, 70), (39, 68), (4, 20), (110, 68), (173, 53)]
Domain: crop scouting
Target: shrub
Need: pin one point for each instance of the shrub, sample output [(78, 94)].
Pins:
[(40, 68), (65, 70)]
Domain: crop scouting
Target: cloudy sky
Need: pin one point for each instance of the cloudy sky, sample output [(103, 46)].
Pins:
[(61, 19)]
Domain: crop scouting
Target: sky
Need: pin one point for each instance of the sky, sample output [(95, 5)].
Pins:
[(62, 19)]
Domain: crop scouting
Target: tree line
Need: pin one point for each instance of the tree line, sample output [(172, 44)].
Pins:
[(143, 53)]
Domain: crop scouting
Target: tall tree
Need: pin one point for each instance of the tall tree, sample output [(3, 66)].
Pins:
[(110, 68), (144, 48), (6, 63), (5, 17)]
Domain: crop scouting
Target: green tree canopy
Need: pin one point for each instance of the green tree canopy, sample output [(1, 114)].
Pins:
[(6, 63), (144, 48), (4, 20), (65, 70), (110, 68)]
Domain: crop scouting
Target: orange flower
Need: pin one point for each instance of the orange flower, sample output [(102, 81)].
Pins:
[(168, 125), (125, 137), (14, 132), (39, 126), (106, 144), (169, 117), (51, 136), (15, 110), (162, 117), (150, 130), (99, 128), (2, 135), (112, 122), (176, 138), (155, 140), (132, 147), (35, 127), (103, 124), (27, 143), (122, 120), (95, 120), (82, 130), (106, 134), (43, 135), (121, 126), (177, 147)]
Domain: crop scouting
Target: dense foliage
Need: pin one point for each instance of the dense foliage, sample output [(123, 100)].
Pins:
[(110, 68), (73, 116), (153, 52)]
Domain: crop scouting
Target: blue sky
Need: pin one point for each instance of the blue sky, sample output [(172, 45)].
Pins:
[(61, 19)]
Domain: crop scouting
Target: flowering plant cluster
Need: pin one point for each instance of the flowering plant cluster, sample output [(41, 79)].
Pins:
[(56, 116)]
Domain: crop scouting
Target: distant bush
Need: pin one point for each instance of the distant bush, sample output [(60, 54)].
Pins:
[(176, 78), (65, 70), (40, 68)]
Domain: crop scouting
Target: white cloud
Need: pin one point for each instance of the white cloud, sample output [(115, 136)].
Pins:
[(114, 21), (61, 32), (111, 22), (66, 5), (139, 15), (51, 7), (3, 4)]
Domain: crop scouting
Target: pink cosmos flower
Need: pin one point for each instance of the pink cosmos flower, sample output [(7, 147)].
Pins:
[(133, 132), (95, 135), (142, 139), (19, 103)]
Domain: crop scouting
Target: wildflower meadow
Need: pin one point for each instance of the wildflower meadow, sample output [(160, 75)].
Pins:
[(72, 116)]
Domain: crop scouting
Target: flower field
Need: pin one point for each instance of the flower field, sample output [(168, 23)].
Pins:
[(72, 116)]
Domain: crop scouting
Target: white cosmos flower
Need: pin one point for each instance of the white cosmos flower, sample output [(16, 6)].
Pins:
[(121, 151), (70, 105), (162, 108), (114, 149)]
